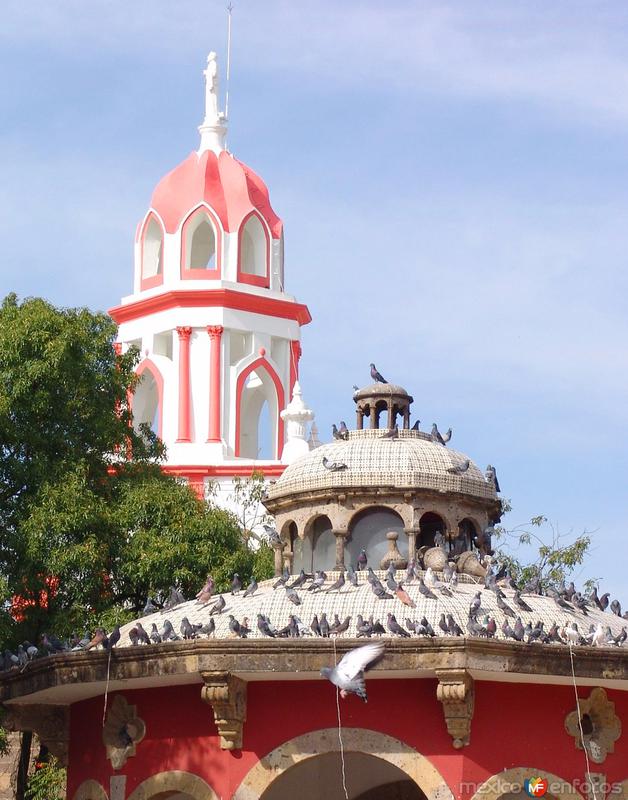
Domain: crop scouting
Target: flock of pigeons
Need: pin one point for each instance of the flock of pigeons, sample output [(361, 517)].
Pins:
[(432, 587)]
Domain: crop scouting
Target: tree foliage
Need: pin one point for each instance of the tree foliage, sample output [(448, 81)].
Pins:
[(555, 556), (89, 523)]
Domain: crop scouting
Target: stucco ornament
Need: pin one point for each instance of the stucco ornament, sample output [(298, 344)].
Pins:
[(122, 731), (601, 727)]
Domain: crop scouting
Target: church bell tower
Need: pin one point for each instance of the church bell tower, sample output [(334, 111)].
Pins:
[(218, 335)]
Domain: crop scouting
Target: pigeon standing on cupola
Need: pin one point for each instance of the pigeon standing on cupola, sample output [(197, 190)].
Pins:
[(377, 376)]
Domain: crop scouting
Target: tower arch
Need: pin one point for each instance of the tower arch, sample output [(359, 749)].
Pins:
[(253, 251), (151, 252), (257, 385), (201, 245), (147, 402)]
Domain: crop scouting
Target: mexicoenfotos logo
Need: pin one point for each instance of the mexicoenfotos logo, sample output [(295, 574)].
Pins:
[(535, 787)]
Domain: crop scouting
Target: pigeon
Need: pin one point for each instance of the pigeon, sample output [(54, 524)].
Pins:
[(491, 627), (444, 590), (599, 638), (176, 598), (301, 578), (98, 639), (519, 601), (474, 627), (154, 634), (303, 631), (10, 660), (31, 651), (343, 430), (580, 603), (236, 584), (459, 469), (209, 629), (52, 644), (251, 588), (425, 591), (362, 560), (604, 601), (442, 624), (507, 630), (404, 597), (438, 437), (315, 627), (114, 637), (188, 631), (454, 628), (167, 632), (562, 603), (425, 626), (324, 626), (150, 607), (142, 634), (339, 434), (616, 608), (348, 675), (264, 627), (571, 634), (218, 606), (363, 628), (333, 466), (415, 427), (491, 477), (292, 596), (505, 608), (281, 581), (234, 625), (380, 592), (371, 577), (476, 603), (411, 626), (518, 630), (317, 583), (340, 627), (22, 658), (395, 628), (338, 584), (352, 575), (393, 433), (378, 628), (391, 583), (430, 579), (272, 534), (376, 376)]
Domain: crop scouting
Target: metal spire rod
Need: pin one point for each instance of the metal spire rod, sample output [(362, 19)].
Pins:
[(229, 10)]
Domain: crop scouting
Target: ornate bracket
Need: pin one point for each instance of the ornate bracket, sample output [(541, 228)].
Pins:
[(456, 692), (50, 723), (226, 694), (601, 727), (122, 731)]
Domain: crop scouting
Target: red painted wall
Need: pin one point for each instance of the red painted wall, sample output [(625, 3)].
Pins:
[(514, 725)]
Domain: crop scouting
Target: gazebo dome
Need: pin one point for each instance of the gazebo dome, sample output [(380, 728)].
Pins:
[(412, 461)]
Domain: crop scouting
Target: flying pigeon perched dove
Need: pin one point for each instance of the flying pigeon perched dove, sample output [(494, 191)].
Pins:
[(491, 477), (348, 675), (362, 560), (460, 469), (393, 433), (377, 376), (251, 588)]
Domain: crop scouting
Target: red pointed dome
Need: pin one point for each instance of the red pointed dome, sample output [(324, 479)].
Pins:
[(227, 185)]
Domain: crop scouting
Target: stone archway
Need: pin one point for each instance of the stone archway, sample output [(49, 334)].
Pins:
[(90, 790), (414, 766), (173, 784), (509, 783)]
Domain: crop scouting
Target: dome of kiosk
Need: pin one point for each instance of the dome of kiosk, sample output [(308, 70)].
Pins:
[(412, 461)]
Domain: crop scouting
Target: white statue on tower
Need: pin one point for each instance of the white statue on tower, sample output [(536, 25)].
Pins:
[(212, 115)]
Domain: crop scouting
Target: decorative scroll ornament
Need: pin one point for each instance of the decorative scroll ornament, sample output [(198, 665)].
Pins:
[(227, 696), (601, 727), (123, 730), (456, 692)]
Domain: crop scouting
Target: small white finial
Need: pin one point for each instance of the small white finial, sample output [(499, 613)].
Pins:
[(295, 415), (214, 127)]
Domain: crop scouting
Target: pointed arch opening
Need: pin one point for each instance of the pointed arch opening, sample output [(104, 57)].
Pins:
[(152, 253), (200, 246), (253, 252), (259, 398), (147, 402)]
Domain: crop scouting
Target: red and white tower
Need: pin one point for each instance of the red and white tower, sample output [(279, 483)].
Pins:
[(219, 336)]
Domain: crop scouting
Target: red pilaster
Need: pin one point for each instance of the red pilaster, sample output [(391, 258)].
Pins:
[(215, 335), (295, 355), (184, 384)]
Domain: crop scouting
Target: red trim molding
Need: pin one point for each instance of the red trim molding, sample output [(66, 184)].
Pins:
[(215, 337), (224, 470), (257, 364), (211, 298)]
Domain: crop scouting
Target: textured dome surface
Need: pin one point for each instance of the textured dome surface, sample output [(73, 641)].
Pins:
[(227, 185), (351, 601), (412, 461)]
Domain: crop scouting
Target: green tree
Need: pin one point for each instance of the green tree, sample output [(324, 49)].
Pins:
[(538, 554), (89, 523)]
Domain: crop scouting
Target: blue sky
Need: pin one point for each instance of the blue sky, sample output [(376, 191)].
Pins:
[(452, 180)]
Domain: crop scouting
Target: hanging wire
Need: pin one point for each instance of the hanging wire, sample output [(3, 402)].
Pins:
[(340, 742), (584, 747)]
